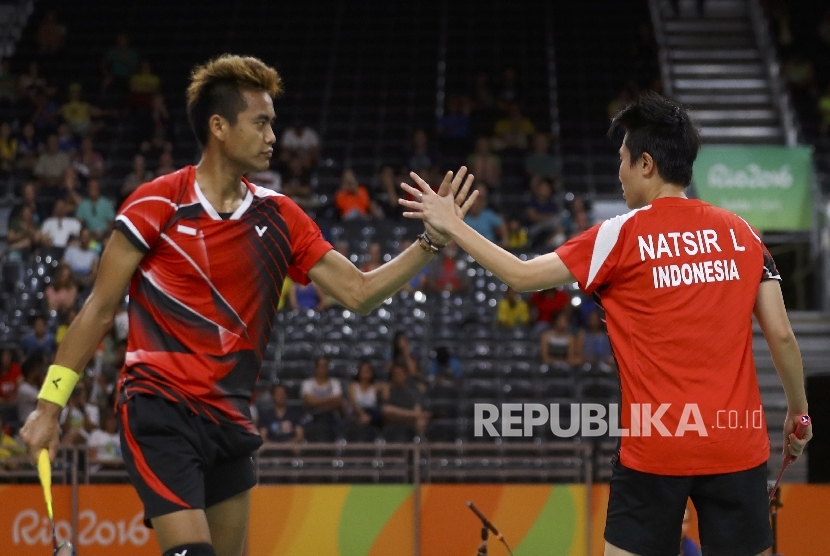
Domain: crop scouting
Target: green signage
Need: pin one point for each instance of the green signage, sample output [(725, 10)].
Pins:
[(769, 187)]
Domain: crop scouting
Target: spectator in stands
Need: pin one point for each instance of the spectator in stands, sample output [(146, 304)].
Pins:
[(300, 143), (144, 84), (66, 141), (58, 228), (484, 164), (47, 114), (165, 167), (12, 452), (557, 345), (445, 272), (62, 293), (154, 135), (387, 187), (10, 376), (540, 162), (82, 259), (105, 443), (32, 81), (38, 339), (420, 158), (323, 399), (445, 367), (578, 218), (363, 396), (485, 220), (512, 310), (8, 82), (403, 356), (28, 196), (541, 211), (51, 163), (402, 413), (51, 35), (90, 163), (139, 175), (516, 234), (352, 200), (375, 257), (34, 370), (296, 183), (120, 61), (454, 126), (594, 344), (824, 109), (28, 148), (514, 131), (282, 423), (304, 297), (96, 212), (510, 92), (79, 418), (78, 113), (8, 147), (23, 235), (66, 322), (547, 304)]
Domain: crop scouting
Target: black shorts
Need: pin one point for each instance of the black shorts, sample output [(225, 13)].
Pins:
[(177, 460), (645, 512)]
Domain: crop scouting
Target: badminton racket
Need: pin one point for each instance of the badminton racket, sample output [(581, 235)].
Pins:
[(44, 471)]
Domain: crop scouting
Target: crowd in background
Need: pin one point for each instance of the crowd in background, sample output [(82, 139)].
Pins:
[(53, 141), (802, 36)]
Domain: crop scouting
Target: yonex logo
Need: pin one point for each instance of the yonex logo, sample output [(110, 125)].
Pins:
[(261, 230), (182, 553), (55, 382)]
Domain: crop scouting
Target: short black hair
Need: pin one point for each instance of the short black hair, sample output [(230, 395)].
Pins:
[(662, 128)]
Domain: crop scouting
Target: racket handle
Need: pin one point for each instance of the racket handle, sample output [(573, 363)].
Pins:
[(802, 422)]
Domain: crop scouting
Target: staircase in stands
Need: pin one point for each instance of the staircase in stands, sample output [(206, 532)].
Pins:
[(715, 63)]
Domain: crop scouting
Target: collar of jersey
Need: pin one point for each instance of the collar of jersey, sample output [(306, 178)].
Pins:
[(237, 214)]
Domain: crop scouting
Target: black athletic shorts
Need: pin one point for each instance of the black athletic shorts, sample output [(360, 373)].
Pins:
[(645, 512), (177, 460)]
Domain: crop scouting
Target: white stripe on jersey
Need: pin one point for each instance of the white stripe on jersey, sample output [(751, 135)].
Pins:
[(607, 236), (133, 229)]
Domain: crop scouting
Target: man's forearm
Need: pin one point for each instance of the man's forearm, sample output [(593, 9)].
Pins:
[(506, 266), (787, 359), (388, 279), (84, 335)]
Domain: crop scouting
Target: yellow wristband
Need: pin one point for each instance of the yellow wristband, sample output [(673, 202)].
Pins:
[(59, 384)]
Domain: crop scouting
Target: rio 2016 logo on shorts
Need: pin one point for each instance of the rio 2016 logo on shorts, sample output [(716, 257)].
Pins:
[(592, 419)]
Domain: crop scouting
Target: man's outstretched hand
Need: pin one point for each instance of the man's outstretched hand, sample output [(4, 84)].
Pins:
[(456, 201)]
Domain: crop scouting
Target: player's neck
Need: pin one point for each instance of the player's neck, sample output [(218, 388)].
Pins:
[(219, 179), (668, 190)]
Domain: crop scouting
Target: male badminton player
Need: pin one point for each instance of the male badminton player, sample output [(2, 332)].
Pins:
[(205, 253), (679, 280)]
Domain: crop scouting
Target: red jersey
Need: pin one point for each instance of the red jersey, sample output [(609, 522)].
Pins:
[(678, 281), (204, 298)]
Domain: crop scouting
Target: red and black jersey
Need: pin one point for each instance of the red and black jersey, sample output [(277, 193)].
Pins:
[(204, 298)]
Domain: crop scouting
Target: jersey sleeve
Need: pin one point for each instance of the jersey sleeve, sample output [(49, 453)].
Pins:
[(144, 214), (770, 271), (307, 242), (593, 256)]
